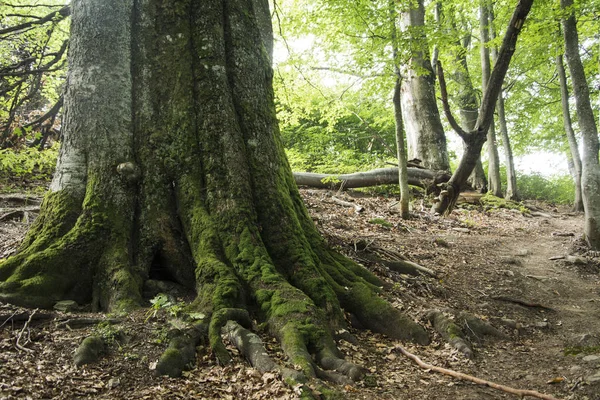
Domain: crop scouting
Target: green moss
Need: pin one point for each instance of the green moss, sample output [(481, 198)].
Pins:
[(489, 202), (382, 222), (575, 350), (170, 363)]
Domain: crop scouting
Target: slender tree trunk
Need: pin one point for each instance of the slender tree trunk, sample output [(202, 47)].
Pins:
[(573, 147), (399, 124), (511, 175), (172, 168), (402, 159), (590, 169), (424, 130), (494, 182)]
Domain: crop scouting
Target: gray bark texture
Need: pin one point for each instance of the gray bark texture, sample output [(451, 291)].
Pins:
[(425, 134), (572, 140), (494, 183), (590, 169), (475, 139), (511, 174), (466, 98)]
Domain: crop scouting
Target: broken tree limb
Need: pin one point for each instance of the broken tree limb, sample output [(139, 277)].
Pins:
[(409, 268), (465, 377), (424, 178), (357, 207)]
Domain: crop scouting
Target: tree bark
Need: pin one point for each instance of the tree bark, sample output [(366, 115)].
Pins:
[(572, 140), (590, 169), (172, 168), (511, 175), (494, 182), (399, 123), (466, 97), (425, 133), (476, 138)]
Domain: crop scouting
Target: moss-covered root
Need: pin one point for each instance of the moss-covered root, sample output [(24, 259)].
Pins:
[(330, 358), (250, 346), (450, 331), (181, 353), (89, 351), (380, 316), (478, 328), (217, 322)]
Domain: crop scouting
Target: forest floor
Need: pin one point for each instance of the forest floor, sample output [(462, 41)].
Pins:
[(495, 264)]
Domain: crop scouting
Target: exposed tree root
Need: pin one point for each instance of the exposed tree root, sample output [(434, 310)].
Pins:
[(450, 331), (524, 303), (181, 353), (465, 377)]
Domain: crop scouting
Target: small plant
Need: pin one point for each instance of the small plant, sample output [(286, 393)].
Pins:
[(108, 332), (159, 302)]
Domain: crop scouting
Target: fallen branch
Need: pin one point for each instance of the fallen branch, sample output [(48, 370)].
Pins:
[(18, 214), (18, 316), (465, 377), (424, 178), (20, 335), (409, 268), (357, 207)]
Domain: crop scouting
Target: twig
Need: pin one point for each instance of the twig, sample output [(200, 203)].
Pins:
[(465, 377), (26, 326), (9, 318)]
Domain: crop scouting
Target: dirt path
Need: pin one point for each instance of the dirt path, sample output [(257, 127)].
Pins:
[(481, 258)]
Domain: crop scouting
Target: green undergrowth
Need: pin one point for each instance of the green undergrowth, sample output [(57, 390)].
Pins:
[(27, 169), (491, 202)]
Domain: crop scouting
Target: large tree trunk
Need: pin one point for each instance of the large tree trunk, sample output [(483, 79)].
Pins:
[(172, 168), (494, 182), (590, 169), (425, 133), (573, 147)]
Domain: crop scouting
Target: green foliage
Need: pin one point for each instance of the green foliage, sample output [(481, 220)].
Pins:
[(28, 163), (32, 69), (557, 189)]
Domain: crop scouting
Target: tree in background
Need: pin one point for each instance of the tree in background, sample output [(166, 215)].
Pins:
[(425, 133), (590, 168), (33, 47), (476, 138), (172, 169), (568, 124)]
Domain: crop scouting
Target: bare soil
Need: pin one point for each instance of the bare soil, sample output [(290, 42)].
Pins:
[(494, 264)]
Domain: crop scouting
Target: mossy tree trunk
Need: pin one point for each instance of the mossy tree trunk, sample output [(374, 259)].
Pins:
[(172, 168)]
